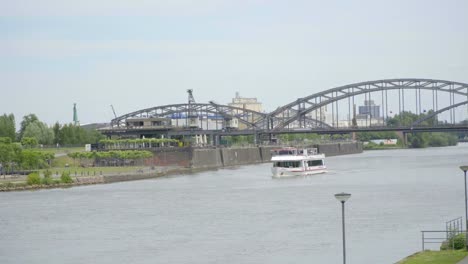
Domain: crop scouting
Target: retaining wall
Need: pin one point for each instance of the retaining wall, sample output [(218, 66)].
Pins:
[(240, 156), (222, 157), (206, 158), (170, 156), (335, 149)]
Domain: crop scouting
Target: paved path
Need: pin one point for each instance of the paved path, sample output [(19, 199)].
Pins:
[(463, 261)]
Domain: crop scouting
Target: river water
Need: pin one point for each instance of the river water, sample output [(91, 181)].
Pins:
[(242, 215)]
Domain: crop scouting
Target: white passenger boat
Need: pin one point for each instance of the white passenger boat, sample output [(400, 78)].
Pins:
[(289, 162)]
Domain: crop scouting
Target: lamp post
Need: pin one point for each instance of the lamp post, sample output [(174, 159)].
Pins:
[(464, 169), (343, 197)]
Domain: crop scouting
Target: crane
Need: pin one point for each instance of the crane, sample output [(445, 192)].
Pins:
[(113, 110)]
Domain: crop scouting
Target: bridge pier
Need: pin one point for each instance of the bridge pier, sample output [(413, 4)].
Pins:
[(403, 136)]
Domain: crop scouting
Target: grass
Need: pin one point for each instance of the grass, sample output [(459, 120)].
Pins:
[(435, 257), (61, 161), (61, 150)]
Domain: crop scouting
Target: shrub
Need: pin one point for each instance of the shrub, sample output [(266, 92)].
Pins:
[(66, 178), (33, 179), (47, 180), (455, 242)]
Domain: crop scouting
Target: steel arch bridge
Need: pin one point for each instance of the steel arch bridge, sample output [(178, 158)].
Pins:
[(251, 119), (440, 97), (298, 110), (226, 113)]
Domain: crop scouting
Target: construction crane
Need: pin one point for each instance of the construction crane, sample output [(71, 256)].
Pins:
[(113, 110)]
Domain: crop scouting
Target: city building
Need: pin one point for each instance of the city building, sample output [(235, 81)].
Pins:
[(246, 103), (370, 108)]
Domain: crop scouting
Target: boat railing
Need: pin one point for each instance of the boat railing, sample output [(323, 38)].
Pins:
[(294, 152)]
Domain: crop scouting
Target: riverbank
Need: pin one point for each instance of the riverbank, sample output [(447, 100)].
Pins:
[(174, 161), (99, 179)]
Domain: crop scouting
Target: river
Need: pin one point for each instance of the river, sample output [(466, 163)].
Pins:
[(242, 215)]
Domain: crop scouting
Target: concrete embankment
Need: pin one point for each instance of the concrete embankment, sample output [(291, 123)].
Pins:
[(225, 157), (336, 149), (209, 158)]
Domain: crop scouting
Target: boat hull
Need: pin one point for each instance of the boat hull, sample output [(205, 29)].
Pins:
[(286, 172)]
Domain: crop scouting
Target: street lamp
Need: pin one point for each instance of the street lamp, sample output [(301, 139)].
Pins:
[(464, 169), (343, 197)]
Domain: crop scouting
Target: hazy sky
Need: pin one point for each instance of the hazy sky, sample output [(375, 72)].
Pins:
[(136, 54)]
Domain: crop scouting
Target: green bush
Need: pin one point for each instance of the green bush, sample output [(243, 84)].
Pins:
[(66, 178), (455, 242), (47, 180), (33, 179)]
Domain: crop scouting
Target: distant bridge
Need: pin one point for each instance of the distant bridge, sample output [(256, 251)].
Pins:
[(328, 112)]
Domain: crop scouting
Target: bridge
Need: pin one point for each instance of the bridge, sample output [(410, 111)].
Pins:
[(439, 105)]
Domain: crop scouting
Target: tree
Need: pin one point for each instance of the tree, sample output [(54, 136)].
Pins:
[(28, 119), (40, 131), (10, 153), (7, 126), (6, 151), (29, 142), (56, 129)]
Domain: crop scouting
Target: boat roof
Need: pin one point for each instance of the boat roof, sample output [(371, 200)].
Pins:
[(297, 157)]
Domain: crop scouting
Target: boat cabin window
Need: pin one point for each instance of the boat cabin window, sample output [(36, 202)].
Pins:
[(312, 163), (287, 164)]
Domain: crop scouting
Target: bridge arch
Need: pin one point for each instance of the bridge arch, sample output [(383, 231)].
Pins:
[(303, 106), (247, 117)]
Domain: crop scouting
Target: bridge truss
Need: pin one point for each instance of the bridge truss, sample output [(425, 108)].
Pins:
[(332, 109)]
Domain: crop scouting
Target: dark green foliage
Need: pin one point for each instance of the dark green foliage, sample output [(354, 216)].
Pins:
[(56, 129), (75, 135), (33, 179), (408, 118), (66, 178), (422, 140)]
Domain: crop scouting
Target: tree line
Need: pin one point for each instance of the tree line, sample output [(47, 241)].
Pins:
[(415, 140), (33, 131)]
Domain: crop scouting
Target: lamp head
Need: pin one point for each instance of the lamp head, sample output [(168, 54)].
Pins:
[(464, 168), (342, 197)]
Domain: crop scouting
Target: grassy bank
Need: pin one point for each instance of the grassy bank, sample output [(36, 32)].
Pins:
[(435, 257)]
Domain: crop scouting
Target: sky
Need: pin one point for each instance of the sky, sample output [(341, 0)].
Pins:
[(136, 54)]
